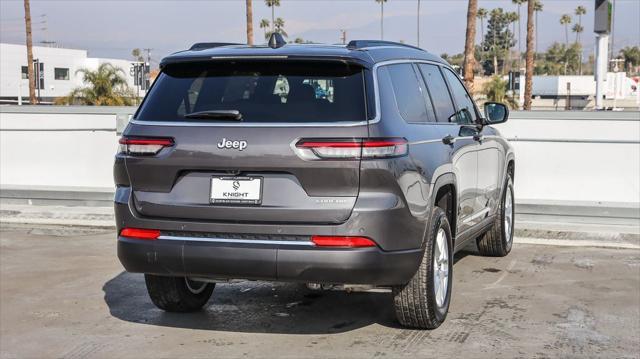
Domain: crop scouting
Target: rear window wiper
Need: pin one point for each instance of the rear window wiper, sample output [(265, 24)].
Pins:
[(216, 115)]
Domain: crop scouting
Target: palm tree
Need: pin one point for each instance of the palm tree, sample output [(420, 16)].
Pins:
[(528, 82), (495, 13), (272, 4), (577, 28), (482, 14), (631, 57), (566, 20), (512, 19), (264, 24), (580, 10), (30, 72), (469, 44), (279, 27), (381, 2), (107, 87), (496, 91), (519, 3), (537, 7), (137, 55), (249, 22)]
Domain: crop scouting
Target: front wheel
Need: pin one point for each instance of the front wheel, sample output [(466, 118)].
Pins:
[(178, 294), (424, 302), (497, 242)]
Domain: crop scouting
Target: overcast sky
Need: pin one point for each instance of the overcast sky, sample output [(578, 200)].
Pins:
[(113, 28)]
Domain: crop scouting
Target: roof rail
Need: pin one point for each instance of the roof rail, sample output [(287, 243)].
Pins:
[(209, 45), (361, 44)]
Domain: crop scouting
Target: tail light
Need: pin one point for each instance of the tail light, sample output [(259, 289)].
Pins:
[(341, 241), (144, 146), (351, 149), (137, 233)]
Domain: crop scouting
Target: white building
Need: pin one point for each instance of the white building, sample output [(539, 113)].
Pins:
[(59, 71)]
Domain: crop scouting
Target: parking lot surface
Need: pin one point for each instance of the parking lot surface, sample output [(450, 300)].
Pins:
[(63, 294)]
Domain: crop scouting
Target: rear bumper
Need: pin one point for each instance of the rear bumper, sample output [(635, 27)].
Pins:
[(278, 262), (386, 221)]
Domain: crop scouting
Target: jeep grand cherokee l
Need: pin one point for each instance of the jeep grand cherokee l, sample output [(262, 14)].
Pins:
[(366, 164)]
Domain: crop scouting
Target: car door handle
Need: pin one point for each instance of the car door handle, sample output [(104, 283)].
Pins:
[(478, 137), (449, 140)]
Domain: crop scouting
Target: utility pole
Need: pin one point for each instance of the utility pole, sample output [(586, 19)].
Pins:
[(418, 24), (30, 72), (343, 37)]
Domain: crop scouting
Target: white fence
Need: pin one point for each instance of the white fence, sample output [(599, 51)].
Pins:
[(577, 158)]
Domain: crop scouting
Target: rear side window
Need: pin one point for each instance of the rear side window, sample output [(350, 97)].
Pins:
[(466, 109), (411, 96), (439, 93), (262, 91)]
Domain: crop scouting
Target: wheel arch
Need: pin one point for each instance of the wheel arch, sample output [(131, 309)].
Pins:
[(509, 170), (444, 195)]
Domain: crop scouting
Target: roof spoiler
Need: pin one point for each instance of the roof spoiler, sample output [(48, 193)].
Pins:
[(208, 45), (360, 44)]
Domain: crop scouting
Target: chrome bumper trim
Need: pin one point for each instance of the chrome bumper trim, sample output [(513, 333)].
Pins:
[(237, 241)]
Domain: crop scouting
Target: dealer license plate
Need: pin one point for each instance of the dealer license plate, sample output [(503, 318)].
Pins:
[(234, 190)]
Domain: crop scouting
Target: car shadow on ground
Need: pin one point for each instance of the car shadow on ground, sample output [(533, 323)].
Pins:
[(257, 307)]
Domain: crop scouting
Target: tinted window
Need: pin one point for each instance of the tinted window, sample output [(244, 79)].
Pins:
[(60, 73), (466, 110), (439, 93), (262, 91), (410, 95)]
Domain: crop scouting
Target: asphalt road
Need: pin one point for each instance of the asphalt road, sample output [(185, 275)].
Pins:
[(63, 294)]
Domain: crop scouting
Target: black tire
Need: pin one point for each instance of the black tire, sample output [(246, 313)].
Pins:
[(415, 302), (496, 242), (173, 295)]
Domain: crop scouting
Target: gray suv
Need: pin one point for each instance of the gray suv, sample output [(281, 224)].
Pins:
[(358, 166)]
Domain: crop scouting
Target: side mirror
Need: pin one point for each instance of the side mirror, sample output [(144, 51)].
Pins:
[(495, 112)]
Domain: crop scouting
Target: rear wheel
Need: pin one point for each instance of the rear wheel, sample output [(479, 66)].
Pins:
[(424, 301), (178, 294), (497, 242)]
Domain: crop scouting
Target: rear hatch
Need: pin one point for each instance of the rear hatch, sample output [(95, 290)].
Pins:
[(249, 141)]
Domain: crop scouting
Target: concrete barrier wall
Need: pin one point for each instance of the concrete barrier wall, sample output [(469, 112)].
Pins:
[(582, 158), (587, 157), (58, 147)]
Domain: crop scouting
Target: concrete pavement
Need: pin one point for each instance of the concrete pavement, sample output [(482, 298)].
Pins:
[(63, 294)]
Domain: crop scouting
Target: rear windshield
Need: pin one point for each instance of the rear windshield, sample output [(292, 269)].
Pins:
[(262, 91)]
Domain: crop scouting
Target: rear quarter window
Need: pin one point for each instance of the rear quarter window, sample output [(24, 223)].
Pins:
[(262, 91), (411, 96)]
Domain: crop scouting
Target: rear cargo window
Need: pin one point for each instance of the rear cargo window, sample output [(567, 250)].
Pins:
[(262, 91)]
